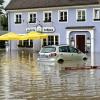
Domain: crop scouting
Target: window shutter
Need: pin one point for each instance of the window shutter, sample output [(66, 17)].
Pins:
[(14, 18), (28, 17)]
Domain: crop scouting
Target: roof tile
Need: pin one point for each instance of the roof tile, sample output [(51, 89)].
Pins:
[(30, 4)]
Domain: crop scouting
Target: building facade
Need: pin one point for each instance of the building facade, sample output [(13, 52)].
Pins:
[(72, 22)]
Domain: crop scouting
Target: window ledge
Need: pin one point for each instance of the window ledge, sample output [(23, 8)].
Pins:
[(17, 22), (96, 19), (62, 20), (32, 21), (46, 21), (81, 20)]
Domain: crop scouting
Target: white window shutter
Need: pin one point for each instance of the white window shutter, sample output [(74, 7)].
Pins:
[(14, 17), (28, 17)]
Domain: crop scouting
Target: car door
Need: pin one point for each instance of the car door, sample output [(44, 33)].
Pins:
[(76, 55), (64, 53)]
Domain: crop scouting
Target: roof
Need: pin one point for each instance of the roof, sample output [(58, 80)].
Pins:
[(30, 4)]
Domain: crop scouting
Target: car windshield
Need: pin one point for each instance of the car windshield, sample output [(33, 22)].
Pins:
[(48, 49)]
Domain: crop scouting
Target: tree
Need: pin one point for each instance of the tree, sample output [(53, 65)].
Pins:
[(1, 6), (4, 21), (3, 17)]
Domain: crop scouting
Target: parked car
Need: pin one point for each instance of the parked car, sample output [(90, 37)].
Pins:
[(61, 53)]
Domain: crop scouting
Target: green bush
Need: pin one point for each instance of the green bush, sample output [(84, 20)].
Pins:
[(4, 22)]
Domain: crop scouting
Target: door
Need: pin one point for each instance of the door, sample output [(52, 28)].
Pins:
[(75, 54), (2, 44), (68, 53), (64, 53), (80, 42)]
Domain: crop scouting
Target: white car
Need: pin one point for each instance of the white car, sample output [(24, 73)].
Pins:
[(61, 53)]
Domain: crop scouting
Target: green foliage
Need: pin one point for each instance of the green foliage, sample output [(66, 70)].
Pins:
[(4, 22), (1, 6), (1, 2), (3, 17)]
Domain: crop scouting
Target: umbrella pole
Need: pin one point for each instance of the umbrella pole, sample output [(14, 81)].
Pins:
[(10, 46)]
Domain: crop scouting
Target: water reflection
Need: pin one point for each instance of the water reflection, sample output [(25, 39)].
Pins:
[(23, 78)]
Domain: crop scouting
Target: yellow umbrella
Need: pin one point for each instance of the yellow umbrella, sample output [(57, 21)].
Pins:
[(34, 32), (13, 36), (36, 35), (22, 37), (31, 36), (3, 38)]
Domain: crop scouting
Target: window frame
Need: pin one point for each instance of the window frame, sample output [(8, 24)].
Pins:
[(25, 43), (81, 20), (73, 50), (65, 49), (17, 21), (63, 16), (54, 36), (94, 17), (44, 19), (32, 22)]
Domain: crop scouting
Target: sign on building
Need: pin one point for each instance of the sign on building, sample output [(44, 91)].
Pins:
[(48, 29), (41, 29)]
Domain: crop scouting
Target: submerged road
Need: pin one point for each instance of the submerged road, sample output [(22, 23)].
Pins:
[(23, 78)]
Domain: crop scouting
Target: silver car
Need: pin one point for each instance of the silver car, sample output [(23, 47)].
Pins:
[(61, 53)]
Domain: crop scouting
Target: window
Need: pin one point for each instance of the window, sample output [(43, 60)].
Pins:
[(25, 43), (64, 49), (44, 42), (97, 14), (81, 15), (51, 40), (73, 50), (47, 16), (48, 49), (63, 16), (18, 18), (32, 17), (56, 40), (68, 49)]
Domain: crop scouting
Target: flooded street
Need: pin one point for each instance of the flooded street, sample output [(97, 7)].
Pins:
[(23, 78)]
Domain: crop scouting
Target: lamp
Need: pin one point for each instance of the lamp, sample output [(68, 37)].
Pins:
[(88, 40), (72, 38), (72, 41)]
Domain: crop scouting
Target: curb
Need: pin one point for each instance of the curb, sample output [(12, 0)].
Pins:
[(82, 68)]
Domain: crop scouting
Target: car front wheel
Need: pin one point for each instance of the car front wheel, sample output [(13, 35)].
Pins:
[(84, 59), (60, 61)]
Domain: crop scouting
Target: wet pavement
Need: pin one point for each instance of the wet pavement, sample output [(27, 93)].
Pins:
[(23, 78)]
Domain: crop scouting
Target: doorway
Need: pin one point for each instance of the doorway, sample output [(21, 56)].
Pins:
[(80, 42), (2, 44)]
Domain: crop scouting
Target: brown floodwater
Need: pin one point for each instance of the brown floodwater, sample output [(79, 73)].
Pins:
[(22, 77)]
